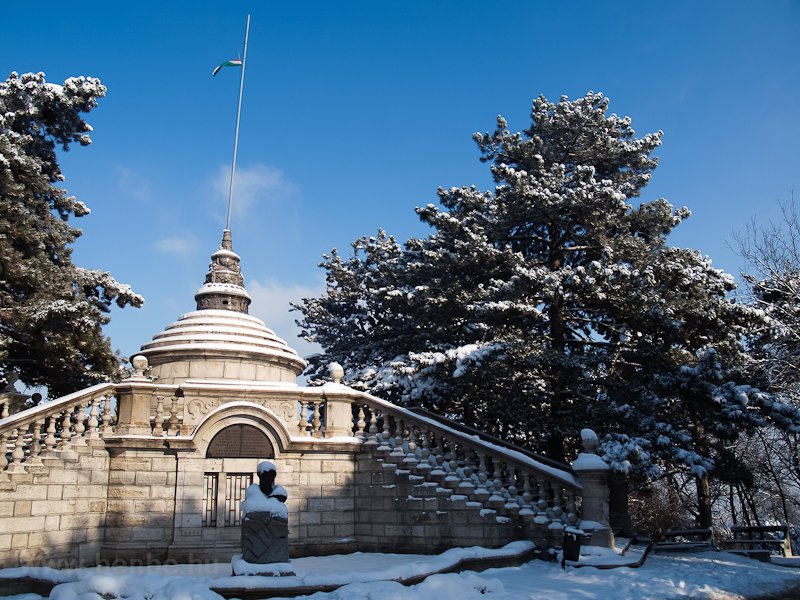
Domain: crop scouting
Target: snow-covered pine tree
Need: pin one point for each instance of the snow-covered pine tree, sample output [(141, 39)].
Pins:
[(549, 304), (51, 311)]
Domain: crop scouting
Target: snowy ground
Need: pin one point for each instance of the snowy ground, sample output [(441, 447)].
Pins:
[(713, 575)]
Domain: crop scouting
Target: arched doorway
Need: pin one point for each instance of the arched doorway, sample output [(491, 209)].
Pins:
[(223, 488)]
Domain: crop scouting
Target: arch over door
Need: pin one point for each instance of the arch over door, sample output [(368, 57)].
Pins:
[(240, 441)]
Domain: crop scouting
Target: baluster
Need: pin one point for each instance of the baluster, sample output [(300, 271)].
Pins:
[(106, 417), (425, 451), (512, 505), (437, 457), (496, 483), (323, 418), (557, 510), (315, 419), (526, 512), (542, 502), (174, 426), (3, 451), (466, 487), (411, 459), (91, 431), (571, 515), (66, 423), (50, 438), (18, 453), (158, 423), (360, 423), (302, 421), (372, 438), (397, 450), (35, 459), (79, 427), (482, 492), (4, 410), (440, 452), (541, 494), (384, 445), (450, 463), (452, 480)]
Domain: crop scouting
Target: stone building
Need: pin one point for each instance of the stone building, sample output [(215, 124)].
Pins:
[(153, 468)]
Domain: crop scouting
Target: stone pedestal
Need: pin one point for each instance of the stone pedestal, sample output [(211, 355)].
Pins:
[(265, 539), (593, 473)]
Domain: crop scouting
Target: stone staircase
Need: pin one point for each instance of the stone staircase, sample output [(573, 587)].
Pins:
[(428, 484)]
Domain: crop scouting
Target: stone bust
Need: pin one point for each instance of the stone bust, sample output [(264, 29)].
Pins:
[(264, 496), (266, 482)]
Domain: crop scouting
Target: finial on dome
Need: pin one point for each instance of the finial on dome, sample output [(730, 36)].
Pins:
[(224, 285)]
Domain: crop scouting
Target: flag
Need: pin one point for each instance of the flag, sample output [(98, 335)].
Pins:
[(236, 62)]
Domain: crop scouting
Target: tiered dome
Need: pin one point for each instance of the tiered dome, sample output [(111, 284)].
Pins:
[(220, 340)]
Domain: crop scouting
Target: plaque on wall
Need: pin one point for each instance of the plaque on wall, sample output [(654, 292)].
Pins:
[(240, 441)]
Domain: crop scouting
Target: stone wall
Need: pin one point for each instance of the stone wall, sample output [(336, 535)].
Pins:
[(54, 514), (321, 502), (141, 501), (321, 505)]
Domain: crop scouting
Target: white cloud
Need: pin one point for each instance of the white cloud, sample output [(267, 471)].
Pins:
[(254, 185), (133, 183), (271, 304), (177, 245)]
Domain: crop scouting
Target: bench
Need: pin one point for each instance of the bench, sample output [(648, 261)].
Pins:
[(686, 540), (760, 541)]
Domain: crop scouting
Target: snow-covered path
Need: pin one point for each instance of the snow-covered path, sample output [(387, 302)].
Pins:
[(712, 575)]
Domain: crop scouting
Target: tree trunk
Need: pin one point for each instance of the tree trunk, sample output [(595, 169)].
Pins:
[(703, 500), (555, 439)]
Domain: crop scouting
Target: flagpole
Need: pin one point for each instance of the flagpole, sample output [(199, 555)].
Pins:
[(236, 136)]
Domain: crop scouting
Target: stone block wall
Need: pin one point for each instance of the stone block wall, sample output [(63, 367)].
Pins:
[(141, 501), (321, 505), (321, 502), (143, 504), (54, 514)]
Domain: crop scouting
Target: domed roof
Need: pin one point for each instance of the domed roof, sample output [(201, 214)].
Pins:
[(224, 334), (219, 339)]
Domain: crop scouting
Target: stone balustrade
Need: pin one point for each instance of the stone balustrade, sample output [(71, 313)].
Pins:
[(506, 481), (57, 428)]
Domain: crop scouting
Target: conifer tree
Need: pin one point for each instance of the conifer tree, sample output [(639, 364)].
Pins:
[(51, 310), (550, 303)]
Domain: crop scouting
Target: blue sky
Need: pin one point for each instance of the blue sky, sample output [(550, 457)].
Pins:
[(355, 112)]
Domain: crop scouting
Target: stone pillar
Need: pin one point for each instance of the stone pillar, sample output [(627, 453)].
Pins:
[(338, 405), (133, 406), (593, 473)]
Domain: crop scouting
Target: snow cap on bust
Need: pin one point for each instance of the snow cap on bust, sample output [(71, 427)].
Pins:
[(265, 466)]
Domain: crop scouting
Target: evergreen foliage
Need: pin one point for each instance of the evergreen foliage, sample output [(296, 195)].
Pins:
[(550, 304), (51, 310)]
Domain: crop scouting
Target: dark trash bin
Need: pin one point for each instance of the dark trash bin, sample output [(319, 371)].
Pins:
[(571, 546)]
